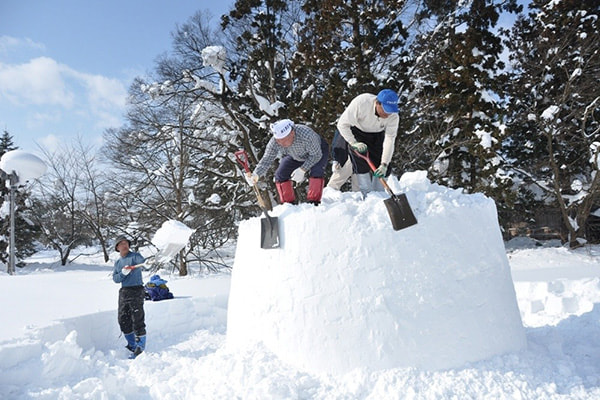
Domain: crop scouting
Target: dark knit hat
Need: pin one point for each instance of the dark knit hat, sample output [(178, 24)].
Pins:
[(120, 239)]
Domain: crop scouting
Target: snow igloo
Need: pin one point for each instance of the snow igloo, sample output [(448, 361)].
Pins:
[(346, 291)]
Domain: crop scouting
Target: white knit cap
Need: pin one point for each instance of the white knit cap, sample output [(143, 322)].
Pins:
[(282, 128)]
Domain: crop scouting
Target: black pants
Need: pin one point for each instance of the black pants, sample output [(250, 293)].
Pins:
[(287, 165), (339, 148), (374, 142), (131, 310)]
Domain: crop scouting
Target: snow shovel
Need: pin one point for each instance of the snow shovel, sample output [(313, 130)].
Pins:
[(397, 206), (162, 257), (269, 227)]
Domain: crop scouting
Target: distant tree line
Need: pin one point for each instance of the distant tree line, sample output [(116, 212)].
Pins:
[(511, 110)]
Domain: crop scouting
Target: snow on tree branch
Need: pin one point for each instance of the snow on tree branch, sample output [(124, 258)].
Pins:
[(215, 56)]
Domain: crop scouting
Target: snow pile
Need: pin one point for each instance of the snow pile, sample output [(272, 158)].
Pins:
[(346, 291)]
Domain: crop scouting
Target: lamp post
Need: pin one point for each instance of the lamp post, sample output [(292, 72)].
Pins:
[(20, 167), (14, 180)]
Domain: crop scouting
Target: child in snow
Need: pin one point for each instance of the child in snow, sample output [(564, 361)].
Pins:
[(131, 296)]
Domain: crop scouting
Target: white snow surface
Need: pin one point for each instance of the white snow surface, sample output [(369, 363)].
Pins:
[(60, 337), (346, 291)]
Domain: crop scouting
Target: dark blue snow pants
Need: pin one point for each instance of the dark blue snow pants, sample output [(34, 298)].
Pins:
[(288, 165)]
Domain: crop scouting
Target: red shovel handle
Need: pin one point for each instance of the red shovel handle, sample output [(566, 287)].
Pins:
[(373, 168), (242, 158), (367, 159)]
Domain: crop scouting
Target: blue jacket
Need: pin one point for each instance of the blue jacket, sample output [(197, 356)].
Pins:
[(135, 276)]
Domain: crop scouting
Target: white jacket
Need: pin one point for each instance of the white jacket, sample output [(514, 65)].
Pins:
[(361, 114)]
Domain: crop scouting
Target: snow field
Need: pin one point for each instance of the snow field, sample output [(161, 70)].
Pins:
[(187, 359)]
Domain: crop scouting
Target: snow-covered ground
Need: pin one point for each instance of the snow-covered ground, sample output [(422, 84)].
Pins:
[(60, 339)]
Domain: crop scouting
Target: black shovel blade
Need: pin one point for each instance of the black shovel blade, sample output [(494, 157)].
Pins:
[(269, 232), (400, 212)]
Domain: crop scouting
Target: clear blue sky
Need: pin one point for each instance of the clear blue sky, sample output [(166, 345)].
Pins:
[(65, 65)]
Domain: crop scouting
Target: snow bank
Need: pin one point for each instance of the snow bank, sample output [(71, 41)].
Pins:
[(186, 356), (346, 291), (79, 348)]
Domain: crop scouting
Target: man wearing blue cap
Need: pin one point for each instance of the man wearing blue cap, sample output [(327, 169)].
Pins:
[(370, 123)]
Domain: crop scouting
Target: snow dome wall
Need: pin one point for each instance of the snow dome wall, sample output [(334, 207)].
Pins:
[(346, 291)]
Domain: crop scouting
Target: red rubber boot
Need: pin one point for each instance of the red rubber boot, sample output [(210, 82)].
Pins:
[(286, 192), (315, 190)]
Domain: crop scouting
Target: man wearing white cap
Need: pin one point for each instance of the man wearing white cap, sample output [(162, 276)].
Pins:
[(369, 123), (301, 151)]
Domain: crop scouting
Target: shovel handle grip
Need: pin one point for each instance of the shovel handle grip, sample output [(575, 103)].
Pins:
[(373, 168), (242, 158), (367, 159)]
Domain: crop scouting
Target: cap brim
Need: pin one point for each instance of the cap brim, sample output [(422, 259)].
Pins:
[(389, 108)]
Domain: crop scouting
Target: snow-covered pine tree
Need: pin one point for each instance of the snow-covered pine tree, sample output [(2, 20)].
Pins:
[(27, 232), (257, 83), (346, 48), (554, 129), (457, 97)]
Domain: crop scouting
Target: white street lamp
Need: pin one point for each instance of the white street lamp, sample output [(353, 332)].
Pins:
[(20, 167)]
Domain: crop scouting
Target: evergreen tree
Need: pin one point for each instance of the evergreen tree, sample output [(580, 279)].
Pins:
[(346, 48), (457, 97), (257, 82), (26, 231), (6, 142), (555, 108)]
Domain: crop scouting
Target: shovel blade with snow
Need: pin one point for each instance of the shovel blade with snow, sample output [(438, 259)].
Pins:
[(167, 253), (269, 226), (170, 239), (163, 256), (397, 205)]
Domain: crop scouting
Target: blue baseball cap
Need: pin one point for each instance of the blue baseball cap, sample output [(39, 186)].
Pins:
[(389, 100)]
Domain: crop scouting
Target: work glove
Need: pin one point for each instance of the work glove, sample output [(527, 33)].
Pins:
[(359, 146), (335, 166), (251, 178), (126, 270), (380, 172), (298, 175)]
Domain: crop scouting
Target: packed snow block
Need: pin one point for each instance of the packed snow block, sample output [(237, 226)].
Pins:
[(346, 291)]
